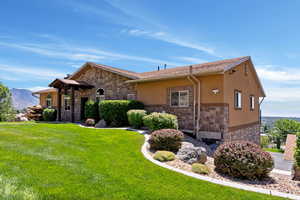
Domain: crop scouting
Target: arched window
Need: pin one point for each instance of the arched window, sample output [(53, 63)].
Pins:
[(100, 94), (49, 101)]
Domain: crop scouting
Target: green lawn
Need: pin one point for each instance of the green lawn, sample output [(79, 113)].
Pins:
[(65, 161), (274, 150)]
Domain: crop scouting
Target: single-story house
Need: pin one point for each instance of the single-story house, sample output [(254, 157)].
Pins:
[(218, 100)]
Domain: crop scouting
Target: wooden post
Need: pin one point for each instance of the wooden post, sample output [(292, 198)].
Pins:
[(73, 104), (59, 104)]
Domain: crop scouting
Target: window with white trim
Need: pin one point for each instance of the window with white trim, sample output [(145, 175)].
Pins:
[(67, 102), (180, 98), (252, 102), (49, 101), (238, 99)]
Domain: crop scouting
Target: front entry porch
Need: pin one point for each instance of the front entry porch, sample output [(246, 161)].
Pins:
[(66, 92)]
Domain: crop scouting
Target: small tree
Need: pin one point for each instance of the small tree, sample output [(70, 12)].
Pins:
[(282, 128), (297, 151), (6, 110)]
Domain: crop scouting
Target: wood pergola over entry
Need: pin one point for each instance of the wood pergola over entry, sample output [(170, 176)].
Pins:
[(67, 84)]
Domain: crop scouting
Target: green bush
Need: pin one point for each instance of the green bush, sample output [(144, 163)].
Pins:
[(297, 152), (135, 118), (157, 121), (49, 114), (243, 160), (114, 112), (91, 110), (166, 139), (90, 122), (264, 141), (200, 168), (164, 156)]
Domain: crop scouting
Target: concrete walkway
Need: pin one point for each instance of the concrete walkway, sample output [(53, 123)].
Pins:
[(280, 163)]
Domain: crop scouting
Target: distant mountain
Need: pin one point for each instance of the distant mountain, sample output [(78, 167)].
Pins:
[(23, 98)]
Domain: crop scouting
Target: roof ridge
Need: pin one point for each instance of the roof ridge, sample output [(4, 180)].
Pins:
[(102, 65), (202, 64)]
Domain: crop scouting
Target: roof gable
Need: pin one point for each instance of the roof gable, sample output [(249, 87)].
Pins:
[(125, 73)]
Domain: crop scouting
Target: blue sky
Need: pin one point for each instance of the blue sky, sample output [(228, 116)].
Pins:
[(42, 40)]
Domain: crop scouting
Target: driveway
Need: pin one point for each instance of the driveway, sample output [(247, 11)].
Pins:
[(280, 163)]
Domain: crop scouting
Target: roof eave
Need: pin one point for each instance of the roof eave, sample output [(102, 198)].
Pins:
[(173, 77)]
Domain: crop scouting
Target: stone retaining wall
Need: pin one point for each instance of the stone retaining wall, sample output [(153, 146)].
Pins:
[(249, 132)]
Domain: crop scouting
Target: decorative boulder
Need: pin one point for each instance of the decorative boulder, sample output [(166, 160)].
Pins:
[(192, 155), (296, 173), (101, 124)]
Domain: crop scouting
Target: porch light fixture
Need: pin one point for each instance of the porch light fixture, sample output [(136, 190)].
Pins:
[(215, 91)]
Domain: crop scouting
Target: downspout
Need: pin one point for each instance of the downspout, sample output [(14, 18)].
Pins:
[(199, 104), (194, 103), (198, 95), (260, 109)]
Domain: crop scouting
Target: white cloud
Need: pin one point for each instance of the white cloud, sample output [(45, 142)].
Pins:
[(73, 53), (163, 36), (269, 72), (38, 73), (36, 88), (192, 60), (281, 94)]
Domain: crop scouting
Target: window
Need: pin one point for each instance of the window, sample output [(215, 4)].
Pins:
[(131, 96), (180, 98), (252, 102), (49, 101), (67, 102), (100, 95), (238, 99)]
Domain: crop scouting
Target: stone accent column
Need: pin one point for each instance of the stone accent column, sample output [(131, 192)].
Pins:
[(59, 104)]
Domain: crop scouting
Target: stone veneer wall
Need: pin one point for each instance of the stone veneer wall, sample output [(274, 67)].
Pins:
[(250, 132), (113, 84), (214, 117)]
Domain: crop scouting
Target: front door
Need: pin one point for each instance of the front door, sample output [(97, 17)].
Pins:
[(82, 107)]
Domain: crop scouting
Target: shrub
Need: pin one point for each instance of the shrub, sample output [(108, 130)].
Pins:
[(115, 111), (91, 110), (135, 118), (264, 141), (297, 151), (200, 168), (166, 139), (90, 122), (243, 160), (164, 156), (49, 114), (157, 121)]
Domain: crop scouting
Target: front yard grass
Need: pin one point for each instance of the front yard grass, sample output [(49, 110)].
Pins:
[(274, 150), (65, 161)]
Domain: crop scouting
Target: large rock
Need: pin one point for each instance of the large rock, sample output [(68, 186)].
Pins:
[(191, 154), (101, 124), (296, 173)]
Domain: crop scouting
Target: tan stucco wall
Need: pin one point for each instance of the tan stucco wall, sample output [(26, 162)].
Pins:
[(248, 86), (155, 93), (43, 97)]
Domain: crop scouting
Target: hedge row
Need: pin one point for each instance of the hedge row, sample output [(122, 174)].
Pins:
[(123, 112), (114, 112)]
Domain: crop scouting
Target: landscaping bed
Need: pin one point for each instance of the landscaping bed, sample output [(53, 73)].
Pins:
[(275, 181)]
